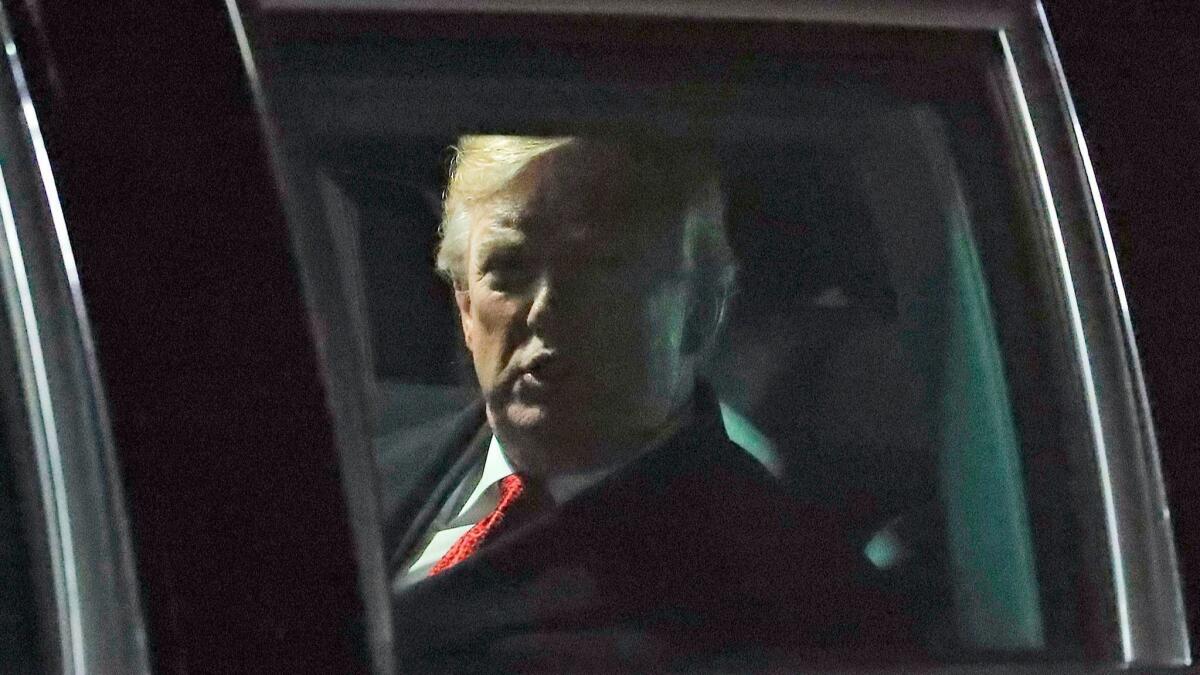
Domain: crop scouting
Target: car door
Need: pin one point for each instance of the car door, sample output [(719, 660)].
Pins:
[(224, 181), (240, 538)]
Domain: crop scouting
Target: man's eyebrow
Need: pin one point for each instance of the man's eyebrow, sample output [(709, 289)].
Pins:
[(501, 236)]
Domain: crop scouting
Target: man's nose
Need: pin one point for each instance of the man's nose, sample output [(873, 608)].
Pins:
[(543, 308)]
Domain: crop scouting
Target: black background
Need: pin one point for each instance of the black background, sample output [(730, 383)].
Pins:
[(1134, 72)]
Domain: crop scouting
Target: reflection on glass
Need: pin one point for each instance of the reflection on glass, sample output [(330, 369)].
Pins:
[(712, 365)]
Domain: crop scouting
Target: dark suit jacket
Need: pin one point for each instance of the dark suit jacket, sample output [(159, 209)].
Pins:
[(690, 556)]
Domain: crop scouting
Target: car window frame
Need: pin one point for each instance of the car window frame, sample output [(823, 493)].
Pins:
[(76, 525), (1116, 442)]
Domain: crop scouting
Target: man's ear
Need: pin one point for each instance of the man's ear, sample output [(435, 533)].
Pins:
[(703, 320), (462, 298)]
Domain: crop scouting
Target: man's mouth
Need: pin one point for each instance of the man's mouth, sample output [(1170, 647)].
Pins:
[(543, 369)]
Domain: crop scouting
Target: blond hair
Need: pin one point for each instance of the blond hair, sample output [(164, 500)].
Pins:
[(483, 166)]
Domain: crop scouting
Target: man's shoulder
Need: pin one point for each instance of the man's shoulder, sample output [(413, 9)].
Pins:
[(706, 498), (710, 468)]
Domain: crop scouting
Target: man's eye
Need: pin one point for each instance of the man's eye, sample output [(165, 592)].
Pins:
[(508, 276)]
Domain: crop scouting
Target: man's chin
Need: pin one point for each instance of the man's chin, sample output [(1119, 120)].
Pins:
[(540, 422), (527, 416)]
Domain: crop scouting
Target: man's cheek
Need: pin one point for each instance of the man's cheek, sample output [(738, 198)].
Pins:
[(497, 345), (497, 315)]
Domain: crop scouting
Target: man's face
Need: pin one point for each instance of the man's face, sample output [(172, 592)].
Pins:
[(574, 310)]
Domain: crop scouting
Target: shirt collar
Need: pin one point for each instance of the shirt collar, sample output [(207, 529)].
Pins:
[(562, 487), (484, 496), (495, 467)]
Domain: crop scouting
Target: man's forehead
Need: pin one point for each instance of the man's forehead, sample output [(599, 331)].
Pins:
[(582, 209), (595, 230)]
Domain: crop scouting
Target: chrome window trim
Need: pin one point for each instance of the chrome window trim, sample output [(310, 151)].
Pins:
[(1147, 589), (96, 605), (1063, 263), (1168, 566), (1133, 360), (46, 450), (980, 14)]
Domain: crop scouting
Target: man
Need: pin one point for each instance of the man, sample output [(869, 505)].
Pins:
[(590, 511)]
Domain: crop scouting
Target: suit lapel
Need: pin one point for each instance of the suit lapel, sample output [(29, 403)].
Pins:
[(430, 478), (574, 565)]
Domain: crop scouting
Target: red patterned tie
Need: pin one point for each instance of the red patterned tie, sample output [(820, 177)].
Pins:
[(511, 488)]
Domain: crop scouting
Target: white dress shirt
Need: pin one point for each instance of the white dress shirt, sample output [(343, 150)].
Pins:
[(483, 499)]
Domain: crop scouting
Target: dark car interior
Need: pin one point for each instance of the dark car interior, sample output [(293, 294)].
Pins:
[(869, 215)]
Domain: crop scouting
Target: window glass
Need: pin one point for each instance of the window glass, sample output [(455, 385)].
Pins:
[(889, 357)]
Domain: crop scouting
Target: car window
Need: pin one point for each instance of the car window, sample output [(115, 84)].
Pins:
[(895, 350)]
